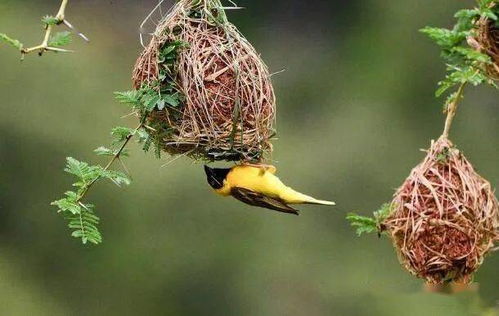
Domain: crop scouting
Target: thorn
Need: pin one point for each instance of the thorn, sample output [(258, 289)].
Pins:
[(232, 8), (80, 34), (55, 49)]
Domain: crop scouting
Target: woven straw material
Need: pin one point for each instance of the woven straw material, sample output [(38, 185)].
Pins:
[(229, 99), (444, 218)]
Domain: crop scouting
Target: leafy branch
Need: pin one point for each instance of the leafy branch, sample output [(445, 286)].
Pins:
[(81, 216), (465, 65), (51, 42), (367, 225), (158, 96)]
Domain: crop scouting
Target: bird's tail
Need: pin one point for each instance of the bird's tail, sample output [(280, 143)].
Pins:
[(319, 202), (291, 196), (295, 197)]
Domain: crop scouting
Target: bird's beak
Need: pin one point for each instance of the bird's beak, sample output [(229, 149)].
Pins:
[(216, 177), (209, 171)]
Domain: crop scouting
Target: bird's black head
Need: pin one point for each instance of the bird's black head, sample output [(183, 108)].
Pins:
[(216, 176)]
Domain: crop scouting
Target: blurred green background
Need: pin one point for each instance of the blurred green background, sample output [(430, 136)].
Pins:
[(356, 104)]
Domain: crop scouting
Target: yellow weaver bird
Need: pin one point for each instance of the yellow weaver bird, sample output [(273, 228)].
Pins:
[(257, 185)]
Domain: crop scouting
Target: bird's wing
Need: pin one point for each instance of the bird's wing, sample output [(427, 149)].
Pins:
[(260, 200)]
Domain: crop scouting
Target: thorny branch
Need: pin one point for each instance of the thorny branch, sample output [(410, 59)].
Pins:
[(60, 18)]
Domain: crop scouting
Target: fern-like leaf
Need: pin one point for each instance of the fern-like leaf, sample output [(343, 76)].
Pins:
[(13, 42), (50, 20), (84, 225), (85, 173), (367, 225), (132, 97), (60, 39), (362, 224)]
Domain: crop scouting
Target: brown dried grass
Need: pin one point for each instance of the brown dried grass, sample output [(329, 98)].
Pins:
[(445, 217), (486, 41), (229, 98)]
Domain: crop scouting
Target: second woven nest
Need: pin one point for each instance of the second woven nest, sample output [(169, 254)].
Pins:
[(486, 41), (444, 218), (223, 105)]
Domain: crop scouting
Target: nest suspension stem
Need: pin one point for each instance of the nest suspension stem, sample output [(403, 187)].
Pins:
[(452, 109)]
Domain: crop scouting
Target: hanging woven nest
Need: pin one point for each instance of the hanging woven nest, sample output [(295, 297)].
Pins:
[(486, 41), (444, 218), (216, 97)]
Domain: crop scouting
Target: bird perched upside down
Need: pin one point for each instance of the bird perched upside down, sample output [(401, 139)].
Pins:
[(257, 185)]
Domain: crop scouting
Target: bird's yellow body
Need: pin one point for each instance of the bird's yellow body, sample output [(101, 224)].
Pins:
[(262, 180)]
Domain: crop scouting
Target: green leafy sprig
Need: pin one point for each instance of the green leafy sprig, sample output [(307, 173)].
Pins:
[(163, 95), (81, 216), (465, 65), (157, 96), (51, 42), (367, 225)]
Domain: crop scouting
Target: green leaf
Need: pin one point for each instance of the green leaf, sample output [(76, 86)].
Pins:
[(132, 97), (170, 51), (444, 37), (362, 224), (68, 204), (121, 133), (490, 15), (60, 39), (145, 139), (466, 19), (118, 178), (143, 135), (383, 213), (50, 20), (13, 42), (467, 14), (366, 225), (85, 173), (84, 225), (81, 218), (171, 100), (150, 101), (472, 55)]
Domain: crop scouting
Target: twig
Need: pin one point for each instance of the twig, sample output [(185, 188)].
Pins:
[(142, 25), (115, 157), (452, 109), (45, 46)]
